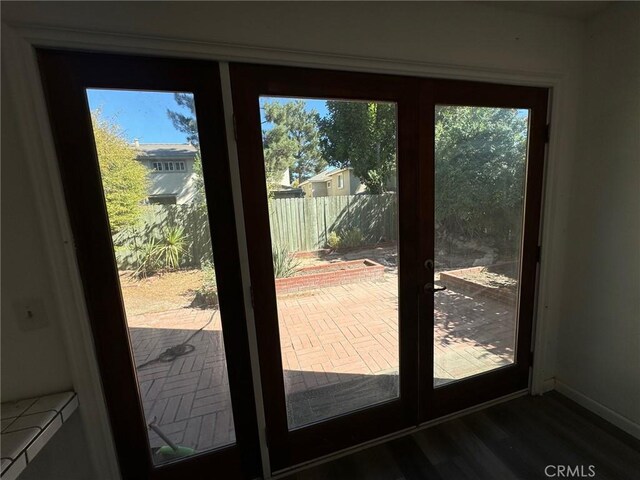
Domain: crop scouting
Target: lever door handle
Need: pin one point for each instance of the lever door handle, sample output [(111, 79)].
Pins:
[(431, 288)]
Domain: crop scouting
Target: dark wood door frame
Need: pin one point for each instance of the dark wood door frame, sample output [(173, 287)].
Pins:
[(65, 76), (458, 395), (416, 100), (249, 82)]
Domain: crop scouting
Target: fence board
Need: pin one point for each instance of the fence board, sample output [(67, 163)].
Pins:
[(299, 224)]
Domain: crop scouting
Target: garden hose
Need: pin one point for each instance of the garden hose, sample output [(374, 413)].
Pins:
[(175, 351)]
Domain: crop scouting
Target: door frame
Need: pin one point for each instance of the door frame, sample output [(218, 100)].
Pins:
[(26, 99), (249, 82), (65, 76), (477, 389)]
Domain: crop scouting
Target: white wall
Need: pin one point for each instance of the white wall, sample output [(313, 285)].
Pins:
[(33, 362), (464, 40), (599, 336)]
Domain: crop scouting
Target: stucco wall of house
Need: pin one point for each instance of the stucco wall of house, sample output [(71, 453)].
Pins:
[(319, 189), (181, 184), (355, 185)]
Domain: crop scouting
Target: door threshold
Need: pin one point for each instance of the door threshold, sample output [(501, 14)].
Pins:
[(392, 436)]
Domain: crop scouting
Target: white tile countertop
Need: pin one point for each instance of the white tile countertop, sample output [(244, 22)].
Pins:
[(27, 425)]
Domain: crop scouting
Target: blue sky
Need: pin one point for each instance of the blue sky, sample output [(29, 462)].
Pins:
[(143, 115)]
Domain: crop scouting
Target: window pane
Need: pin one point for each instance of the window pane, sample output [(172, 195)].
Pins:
[(167, 279), (480, 169), (334, 252)]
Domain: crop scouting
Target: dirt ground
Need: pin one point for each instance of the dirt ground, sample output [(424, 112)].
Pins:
[(489, 279), (161, 292), (173, 290)]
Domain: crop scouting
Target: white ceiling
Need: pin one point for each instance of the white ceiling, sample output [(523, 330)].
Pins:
[(577, 10)]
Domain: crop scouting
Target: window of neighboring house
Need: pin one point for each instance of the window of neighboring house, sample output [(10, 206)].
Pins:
[(329, 184), (157, 166), (163, 199), (168, 166), (340, 181), (180, 166)]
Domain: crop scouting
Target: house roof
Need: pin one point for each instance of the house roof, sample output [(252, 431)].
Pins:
[(166, 150), (324, 175)]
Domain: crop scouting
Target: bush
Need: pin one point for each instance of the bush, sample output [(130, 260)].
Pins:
[(146, 259), (351, 238), (172, 247), (333, 241), (207, 295), (284, 263), (165, 254)]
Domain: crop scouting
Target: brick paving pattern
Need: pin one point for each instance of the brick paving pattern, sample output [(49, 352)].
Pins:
[(339, 353)]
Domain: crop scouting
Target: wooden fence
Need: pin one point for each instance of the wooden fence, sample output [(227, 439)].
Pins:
[(304, 224), (298, 224)]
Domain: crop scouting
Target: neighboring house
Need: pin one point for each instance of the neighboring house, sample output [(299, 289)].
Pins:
[(332, 182), (286, 190), (172, 178)]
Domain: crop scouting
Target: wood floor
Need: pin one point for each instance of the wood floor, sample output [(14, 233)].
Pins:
[(513, 440)]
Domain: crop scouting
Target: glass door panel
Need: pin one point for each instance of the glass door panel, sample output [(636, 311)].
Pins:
[(480, 170), (330, 167), (150, 167)]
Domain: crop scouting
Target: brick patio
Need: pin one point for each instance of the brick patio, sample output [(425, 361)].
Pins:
[(340, 353)]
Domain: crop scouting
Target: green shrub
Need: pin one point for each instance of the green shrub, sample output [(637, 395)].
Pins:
[(333, 241), (146, 259), (171, 248), (207, 294), (351, 238), (155, 255), (285, 264)]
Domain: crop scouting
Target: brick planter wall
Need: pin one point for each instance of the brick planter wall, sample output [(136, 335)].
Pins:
[(453, 280), (329, 275)]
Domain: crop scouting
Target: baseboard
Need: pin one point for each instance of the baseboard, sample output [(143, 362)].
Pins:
[(548, 385), (599, 409)]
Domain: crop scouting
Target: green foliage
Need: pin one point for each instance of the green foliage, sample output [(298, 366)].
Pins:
[(147, 259), (207, 294), (124, 179), (171, 248), (285, 264), (480, 169), (154, 255), (292, 141), (348, 239), (351, 238), (187, 123), (361, 135), (333, 241)]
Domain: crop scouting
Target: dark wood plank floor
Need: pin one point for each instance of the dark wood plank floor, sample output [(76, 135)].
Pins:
[(513, 440)]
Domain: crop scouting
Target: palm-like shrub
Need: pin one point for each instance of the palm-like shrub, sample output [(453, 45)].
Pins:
[(170, 250), (285, 264)]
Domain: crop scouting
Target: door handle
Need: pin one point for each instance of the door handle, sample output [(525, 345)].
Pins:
[(431, 288)]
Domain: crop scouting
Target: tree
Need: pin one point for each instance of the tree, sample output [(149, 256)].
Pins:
[(124, 179), (480, 166), (361, 135), (293, 141), (187, 123)]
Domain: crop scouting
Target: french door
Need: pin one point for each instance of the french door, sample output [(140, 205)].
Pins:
[(339, 360), (153, 223), (392, 228)]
